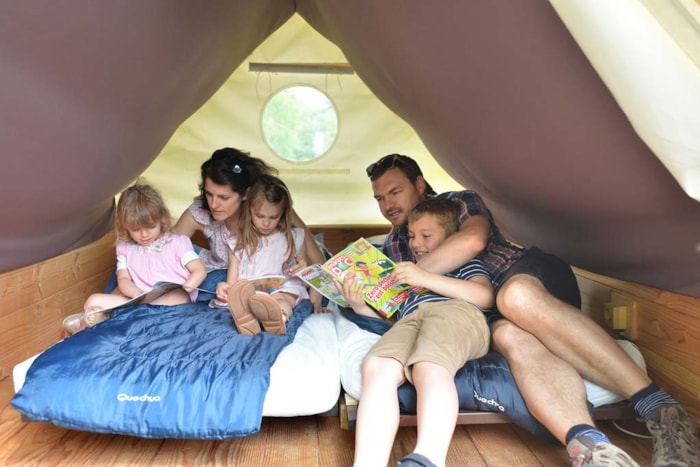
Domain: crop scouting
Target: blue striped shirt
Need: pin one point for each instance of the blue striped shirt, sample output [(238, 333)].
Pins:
[(473, 268)]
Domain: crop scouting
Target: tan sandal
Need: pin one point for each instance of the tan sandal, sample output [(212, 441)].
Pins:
[(269, 312), (238, 304)]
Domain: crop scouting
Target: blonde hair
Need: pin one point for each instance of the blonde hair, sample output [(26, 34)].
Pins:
[(140, 205), (273, 190), (445, 211)]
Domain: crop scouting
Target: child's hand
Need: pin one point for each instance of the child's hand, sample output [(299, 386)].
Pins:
[(298, 265), (351, 290), (316, 299), (409, 273), (222, 289)]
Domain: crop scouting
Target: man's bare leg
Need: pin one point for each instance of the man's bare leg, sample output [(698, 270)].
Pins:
[(571, 335)]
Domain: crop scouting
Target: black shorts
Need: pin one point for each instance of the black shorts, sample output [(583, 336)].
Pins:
[(556, 276)]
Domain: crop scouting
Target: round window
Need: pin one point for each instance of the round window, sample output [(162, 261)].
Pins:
[(299, 123)]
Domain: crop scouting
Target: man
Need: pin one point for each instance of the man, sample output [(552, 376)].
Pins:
[(547, 341)]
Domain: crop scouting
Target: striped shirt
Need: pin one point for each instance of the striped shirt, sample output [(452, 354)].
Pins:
[(472, 269), (498, 256)]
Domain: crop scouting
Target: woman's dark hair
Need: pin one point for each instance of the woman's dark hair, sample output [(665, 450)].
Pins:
[(235, 168)]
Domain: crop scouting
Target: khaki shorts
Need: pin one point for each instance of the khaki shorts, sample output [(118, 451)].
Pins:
[(447, 333)]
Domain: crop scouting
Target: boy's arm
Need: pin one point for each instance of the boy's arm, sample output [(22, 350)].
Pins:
[(457, 249), (477, 290)]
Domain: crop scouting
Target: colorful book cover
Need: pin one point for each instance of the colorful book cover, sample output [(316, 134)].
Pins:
[(316, 277), (268, 284), (373, 269)]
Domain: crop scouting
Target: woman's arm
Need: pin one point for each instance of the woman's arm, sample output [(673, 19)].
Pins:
[(187, 225), (311, 249), (222, 288)]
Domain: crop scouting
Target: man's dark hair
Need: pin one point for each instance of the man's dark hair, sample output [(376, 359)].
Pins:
[(404, 163)]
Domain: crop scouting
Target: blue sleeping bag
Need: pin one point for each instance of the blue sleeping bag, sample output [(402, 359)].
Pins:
[(157, 372)]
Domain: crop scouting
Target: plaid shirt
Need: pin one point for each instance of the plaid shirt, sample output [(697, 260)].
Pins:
[(498, 256)]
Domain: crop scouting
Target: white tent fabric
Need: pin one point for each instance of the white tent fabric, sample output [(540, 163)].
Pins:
[(653, 79)]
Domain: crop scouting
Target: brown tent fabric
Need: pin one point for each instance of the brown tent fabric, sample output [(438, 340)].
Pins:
[(499, 92)]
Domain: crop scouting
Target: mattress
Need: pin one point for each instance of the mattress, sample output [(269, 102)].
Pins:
[(355, 343), (304, 380)]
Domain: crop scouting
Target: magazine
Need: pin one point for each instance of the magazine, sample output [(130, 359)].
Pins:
[(159, 289), (373, 269), (266, 284), (316, 277)]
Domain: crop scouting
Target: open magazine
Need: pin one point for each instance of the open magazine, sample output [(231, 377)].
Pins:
[(267, 284), (372, 268), (322, 281), (159, 289)]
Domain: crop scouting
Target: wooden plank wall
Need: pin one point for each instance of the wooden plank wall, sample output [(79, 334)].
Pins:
[(35, 299), (665, 326)]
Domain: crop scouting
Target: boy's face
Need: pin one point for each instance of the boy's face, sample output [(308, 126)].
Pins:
[(424, 235), (396, 195)]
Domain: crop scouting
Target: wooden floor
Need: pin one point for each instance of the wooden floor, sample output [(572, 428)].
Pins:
[(299, 441)]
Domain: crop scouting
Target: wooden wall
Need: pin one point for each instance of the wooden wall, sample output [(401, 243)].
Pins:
[(35, 299), (665, 326)]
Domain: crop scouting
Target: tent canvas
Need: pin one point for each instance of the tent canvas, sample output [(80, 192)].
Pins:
[(578, 144)]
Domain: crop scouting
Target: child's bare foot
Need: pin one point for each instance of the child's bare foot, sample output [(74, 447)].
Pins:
[(269, 312), (96, 314), (238, 304)]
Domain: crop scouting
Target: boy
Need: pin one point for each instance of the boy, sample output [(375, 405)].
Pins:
[(438, 332)]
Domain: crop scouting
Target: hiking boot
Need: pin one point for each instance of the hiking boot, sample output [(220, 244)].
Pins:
[(674, 436), (584, 453)]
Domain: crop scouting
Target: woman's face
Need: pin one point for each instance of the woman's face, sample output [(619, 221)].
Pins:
[(222, 200)]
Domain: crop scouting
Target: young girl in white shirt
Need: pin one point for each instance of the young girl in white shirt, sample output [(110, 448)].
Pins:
[(265, 244)]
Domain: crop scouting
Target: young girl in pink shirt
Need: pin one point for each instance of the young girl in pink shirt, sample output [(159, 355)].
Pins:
[(148, 252)]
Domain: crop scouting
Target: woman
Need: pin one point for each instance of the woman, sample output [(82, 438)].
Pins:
[(226, 180)]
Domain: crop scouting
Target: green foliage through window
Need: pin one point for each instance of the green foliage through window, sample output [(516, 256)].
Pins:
[(299, 123)]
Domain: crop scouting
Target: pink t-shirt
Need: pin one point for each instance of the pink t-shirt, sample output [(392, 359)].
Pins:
[(163, 260)]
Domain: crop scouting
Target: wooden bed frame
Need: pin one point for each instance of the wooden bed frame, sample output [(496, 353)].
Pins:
[(665, 326)]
